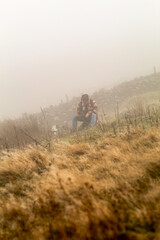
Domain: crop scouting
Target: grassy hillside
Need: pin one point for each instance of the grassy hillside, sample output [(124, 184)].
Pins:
[(100, 183), (107, 187)]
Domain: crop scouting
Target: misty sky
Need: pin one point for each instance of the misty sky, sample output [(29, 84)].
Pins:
[(49, 48)]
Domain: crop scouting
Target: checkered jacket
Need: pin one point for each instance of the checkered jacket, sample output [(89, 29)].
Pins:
[(90, 107)]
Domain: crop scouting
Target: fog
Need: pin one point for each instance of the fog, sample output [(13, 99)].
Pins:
[(50, 48)]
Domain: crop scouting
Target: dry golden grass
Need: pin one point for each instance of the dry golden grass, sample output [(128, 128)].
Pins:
[(109, 189)]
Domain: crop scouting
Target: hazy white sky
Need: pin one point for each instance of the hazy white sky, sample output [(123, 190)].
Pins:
[(49, 48)]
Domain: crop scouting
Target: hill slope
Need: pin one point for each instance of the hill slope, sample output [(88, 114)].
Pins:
[(107, 99)]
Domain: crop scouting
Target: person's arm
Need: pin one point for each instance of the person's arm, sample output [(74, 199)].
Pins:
[(79, 109), (95, 109)]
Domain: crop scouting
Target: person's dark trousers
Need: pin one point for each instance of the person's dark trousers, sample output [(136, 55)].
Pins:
[(91, 119)]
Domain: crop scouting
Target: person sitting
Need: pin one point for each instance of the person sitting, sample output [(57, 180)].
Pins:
[(86, 113)]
